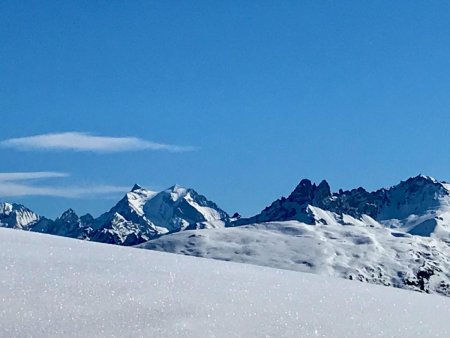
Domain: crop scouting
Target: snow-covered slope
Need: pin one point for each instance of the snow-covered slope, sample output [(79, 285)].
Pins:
[(369, 254), (60, 287)]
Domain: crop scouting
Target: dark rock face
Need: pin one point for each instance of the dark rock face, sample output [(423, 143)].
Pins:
[(307, 192), (236, 215), (304, 192), (69, 224), (412, 196)]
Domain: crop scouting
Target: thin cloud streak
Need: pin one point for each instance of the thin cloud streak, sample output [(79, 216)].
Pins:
[(10, 189), (22, 176), (12, 185), (80, 141)]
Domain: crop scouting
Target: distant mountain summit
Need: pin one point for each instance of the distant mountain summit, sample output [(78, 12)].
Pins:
[(139, 216), (419, 206), (143, 214), (69, 224), (125, 223), (178, 208), (17, 216)]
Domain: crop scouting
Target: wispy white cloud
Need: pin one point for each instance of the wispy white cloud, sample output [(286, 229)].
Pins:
[(20, 176), (79, 141), (11, 189), (14, 184)]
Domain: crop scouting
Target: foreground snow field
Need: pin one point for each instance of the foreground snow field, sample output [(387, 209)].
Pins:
[(59, 287)]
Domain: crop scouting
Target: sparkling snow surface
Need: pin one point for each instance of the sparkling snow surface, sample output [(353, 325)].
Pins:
[(60, 287)]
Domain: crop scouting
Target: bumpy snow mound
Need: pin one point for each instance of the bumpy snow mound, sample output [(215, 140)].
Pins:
[(375, 255), (60, 287)]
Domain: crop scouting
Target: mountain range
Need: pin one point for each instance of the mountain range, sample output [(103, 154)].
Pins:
[(138, 217), (397, 236), (418, 206)]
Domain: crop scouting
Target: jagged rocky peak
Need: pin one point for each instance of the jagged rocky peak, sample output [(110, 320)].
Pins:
[(136, 187), (295, 206), (417, 195), (323, 190), (138, 192), (133, 201), (307, 192), (422, 182), (303, 192), (14, 215), (401, 206), (422, 178), (8, 208), (236, 216), (69, 216)]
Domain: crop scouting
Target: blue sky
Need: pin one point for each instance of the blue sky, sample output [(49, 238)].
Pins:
[(237, 99)]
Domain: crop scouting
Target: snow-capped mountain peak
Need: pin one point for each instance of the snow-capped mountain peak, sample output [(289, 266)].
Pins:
[(417, 195), (136, 187), (177, 191), (178, 208), (420, 205), (133, 201), (14, 215), (424, 178), (143, 214)]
